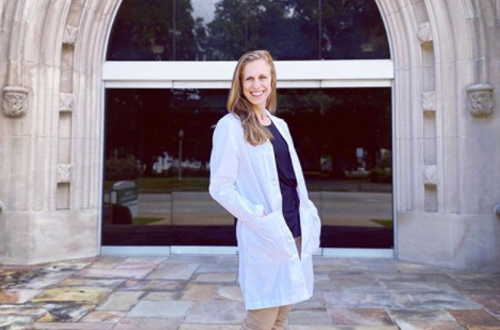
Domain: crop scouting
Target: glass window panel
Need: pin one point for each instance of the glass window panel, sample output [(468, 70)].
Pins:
[(343, 138), (212, 30)]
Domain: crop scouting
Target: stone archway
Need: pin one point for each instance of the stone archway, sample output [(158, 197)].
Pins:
[(52, 179)]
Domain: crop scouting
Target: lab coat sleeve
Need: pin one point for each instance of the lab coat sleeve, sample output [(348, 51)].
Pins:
[(223, 174)]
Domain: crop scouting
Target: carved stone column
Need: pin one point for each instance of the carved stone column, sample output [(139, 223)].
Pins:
[(480, 99), (15, 101)]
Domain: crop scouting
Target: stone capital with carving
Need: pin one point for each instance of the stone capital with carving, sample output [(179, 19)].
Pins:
[(430, 175), (64, 173), (429, 101), (480, 99), (424, 32), (70, 34), (15, 101), (66, 102)]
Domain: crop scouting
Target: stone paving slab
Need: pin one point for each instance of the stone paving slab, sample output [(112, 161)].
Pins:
[(215, 277), (309, 317), (430, 316), (115, 273), (475, 318), (155, 296), (104, 316), (332, 327), (360, 317), (229, 292), (84, 295), (70, 326), (13, 322), (174, 271), (437, 300), (17, 296), (208, 327), (201, 293), (490, 303), (35, 310), (65, 313), (217, 312), (418, 325), (198, 292), (160, 309), (148, 324), (112, 283), (120, 301)]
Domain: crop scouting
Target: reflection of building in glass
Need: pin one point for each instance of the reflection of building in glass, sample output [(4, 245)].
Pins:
[(163, 163)]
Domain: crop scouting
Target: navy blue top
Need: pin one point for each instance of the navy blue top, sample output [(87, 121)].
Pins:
[(288, 181)]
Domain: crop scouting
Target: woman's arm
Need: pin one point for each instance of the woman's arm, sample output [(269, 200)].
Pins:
[(223, 173)]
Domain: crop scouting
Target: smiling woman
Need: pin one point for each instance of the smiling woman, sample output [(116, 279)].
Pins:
[(262, 185)]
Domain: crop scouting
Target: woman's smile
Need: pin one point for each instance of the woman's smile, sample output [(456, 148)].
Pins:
[(257, 83)]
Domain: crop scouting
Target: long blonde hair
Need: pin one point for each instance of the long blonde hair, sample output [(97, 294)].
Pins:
[(238, 105)]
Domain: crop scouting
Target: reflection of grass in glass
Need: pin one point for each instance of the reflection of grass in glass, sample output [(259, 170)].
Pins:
[(387, 223), (167, 185), (145, 221), (161, 185), (346, 185)]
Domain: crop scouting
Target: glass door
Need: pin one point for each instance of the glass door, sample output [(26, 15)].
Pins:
[(167, 74)]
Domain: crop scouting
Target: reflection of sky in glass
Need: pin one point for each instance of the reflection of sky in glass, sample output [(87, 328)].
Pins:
[(204, 9)]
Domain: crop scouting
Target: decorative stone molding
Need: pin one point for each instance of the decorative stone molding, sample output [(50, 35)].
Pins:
[(429, 101), (64, 173), (70, 34), (15, 101), (425, 32), (430, 175), (66, 102), (480, 99), (496, 210), (497, 8)]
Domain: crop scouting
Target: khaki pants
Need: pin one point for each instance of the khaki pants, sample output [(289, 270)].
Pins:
[(273, 318)]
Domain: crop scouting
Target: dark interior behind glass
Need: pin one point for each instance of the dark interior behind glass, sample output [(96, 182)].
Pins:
[(157, 151)]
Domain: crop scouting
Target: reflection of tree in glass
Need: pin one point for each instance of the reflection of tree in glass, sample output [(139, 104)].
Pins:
[(289, 29), (334, 122), (153, 30), (227, 32), (352, 29), (239, 26)]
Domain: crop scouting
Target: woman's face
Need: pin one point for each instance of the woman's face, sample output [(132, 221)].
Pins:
[(257, 83)]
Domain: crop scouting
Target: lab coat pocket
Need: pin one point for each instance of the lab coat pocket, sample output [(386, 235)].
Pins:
[(311, 229), (264, 240)]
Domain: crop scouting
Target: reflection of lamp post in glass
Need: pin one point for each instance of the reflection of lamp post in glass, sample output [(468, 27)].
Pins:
[(157, 50), (181, 135)]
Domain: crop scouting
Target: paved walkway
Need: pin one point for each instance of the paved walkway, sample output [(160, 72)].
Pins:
[(193, 292)]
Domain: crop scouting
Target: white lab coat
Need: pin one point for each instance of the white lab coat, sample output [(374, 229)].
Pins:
[(244, 180)]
